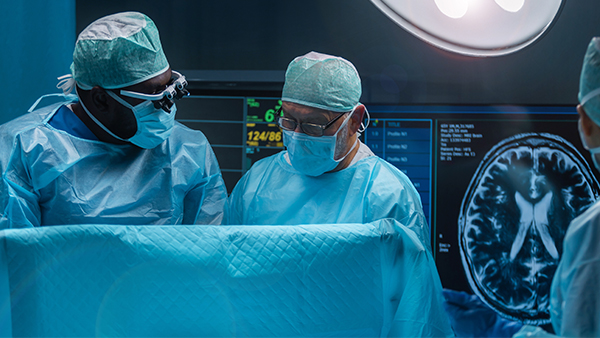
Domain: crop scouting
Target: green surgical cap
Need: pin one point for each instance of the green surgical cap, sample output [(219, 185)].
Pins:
[(589, 83), (322, 81), (118, 51)]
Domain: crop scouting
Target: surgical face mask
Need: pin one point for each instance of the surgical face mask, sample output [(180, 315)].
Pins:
[(154, 125), (314, 156), (593, 151)]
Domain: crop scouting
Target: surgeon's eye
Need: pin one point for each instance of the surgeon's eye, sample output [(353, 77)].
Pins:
[(285, 123), (312, 129), (162, 88)]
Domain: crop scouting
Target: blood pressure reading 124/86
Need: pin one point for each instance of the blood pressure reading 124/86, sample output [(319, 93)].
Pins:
[(261, 128)]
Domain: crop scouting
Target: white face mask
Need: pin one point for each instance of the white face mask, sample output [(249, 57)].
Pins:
[(153, 125), (314, 156)]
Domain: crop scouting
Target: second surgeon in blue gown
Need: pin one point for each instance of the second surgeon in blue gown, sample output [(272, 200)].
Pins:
[(327, 175), (574, 295), (113, 154)]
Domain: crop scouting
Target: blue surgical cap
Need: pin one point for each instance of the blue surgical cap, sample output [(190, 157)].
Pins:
[(589, 83), (118, 50), (322, 81)]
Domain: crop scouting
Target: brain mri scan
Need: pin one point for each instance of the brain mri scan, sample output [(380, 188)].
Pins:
[(513, 219)]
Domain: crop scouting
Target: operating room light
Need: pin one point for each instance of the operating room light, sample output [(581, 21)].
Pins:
[(511, 5), (478, 28), (453, 8)]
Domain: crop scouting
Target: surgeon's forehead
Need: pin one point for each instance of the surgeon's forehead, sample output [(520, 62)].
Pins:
[(152, 85), (305, 113)]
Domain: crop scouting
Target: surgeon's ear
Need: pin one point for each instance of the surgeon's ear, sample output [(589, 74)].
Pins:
[(357, 118), (99, 99), (587, 125)]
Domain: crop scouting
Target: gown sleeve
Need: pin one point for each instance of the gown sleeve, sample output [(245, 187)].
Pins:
[(19, 203), (575, 299), (205, 202)]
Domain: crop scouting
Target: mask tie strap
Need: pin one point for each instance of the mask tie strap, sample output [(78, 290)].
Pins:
[(66, 83), (348, 153), (594, 150), (363, 126), (98, 122), (590, 96)]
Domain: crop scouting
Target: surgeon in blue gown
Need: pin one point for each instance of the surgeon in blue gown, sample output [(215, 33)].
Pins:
[(575, 297), (112, 153), (326, 175), (574, 294)]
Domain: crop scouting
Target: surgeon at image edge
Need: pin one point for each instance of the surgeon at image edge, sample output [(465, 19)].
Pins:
[(113, 153), (326, 175), (575, 296)]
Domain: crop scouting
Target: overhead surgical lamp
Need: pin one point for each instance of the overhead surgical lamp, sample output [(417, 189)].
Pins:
[(474, 27)]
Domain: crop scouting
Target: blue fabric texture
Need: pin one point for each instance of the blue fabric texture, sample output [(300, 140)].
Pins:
[(54, 178), (470, 317), (337, 280), (66, 120), (273, 192), (8, 132), (574, 295)]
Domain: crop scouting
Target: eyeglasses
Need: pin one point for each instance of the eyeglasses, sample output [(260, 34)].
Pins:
[(308, 128), (175, 90)]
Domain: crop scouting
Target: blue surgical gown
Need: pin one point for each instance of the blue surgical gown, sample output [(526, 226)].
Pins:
[(51, 177), (272, 192), (575, 295)]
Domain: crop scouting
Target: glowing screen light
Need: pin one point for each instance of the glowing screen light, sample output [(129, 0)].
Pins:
[(474, 27), (453, 8), (511, 5)]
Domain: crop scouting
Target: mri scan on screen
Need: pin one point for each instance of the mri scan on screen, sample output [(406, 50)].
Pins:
[(513, 219), (499, 187)]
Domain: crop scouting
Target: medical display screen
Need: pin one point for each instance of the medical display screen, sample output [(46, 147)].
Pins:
[(407, 144), (499, 186), (240, 129), (261, 126)]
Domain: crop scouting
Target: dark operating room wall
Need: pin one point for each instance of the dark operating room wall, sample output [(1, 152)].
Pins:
[(36, 44), (396, 67)]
